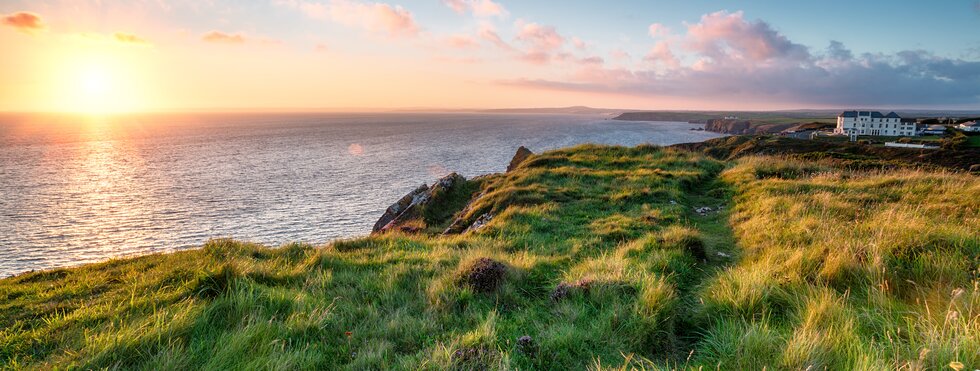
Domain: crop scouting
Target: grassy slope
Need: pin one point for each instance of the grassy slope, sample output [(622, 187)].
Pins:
[(814, 266)]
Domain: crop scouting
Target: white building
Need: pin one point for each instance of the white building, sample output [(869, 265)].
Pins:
[(971, 126), (873, 123)]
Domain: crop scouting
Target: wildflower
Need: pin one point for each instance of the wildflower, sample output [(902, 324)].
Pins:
[(348, 333)]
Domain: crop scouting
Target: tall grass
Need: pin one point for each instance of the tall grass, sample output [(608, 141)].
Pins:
[(605, 265), (846, 270)]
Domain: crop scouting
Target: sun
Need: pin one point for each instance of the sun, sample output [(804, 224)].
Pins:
[(95, 88), (96, 84)]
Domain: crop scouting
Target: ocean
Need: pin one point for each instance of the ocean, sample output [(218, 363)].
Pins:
[(80, 189)]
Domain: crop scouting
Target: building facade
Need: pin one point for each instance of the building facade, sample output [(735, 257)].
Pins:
[(972, 126), (873, 123)]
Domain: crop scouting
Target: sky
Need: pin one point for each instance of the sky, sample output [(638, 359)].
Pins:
[(157, 55)]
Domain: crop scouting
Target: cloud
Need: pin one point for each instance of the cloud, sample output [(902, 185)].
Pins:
[(380, 18), (488, 33), (321, 48), (662, 54), (462, 42), (128, 38), (394, 21), (25, 22), (728, 37), (620, 55), (579, 44), (657, 30), (735, 60), (542, 43), (310, 9), (838, 51), (595, 61), (219, 37), (479, 8)]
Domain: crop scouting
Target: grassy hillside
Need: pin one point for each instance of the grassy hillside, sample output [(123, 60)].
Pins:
[(595, 258)]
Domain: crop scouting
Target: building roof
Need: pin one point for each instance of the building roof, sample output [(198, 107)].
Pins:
[(970, 123), (872, 114), (936, 127)]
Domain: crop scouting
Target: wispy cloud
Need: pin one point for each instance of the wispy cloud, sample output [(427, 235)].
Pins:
[(542, 42), (25, 22), (658, 30), (379, 18), (479, 8), (462, 41), (219, 37), (128, 38)]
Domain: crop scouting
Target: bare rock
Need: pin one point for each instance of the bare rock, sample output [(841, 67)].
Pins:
[(409, 207), (480, 222), (522, 154), (397, 208)]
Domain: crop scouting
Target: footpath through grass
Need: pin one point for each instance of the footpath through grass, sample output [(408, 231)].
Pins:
[(595, 258)]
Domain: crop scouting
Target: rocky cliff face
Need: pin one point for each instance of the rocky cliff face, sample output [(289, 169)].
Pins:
[(442, 208), (745, 127), (415, 211)]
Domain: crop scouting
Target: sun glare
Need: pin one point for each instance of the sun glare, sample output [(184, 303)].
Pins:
[(96, 84)]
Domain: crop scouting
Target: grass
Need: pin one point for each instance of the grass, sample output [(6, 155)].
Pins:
[(605, 265), (973, 141)]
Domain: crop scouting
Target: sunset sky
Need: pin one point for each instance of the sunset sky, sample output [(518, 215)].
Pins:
[(157, 55)]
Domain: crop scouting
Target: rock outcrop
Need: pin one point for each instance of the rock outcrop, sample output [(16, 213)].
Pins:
[(444, 207), (412, 199), (519, 157), (410, 208)]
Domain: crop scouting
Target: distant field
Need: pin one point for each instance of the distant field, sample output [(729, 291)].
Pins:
[(974, 141)]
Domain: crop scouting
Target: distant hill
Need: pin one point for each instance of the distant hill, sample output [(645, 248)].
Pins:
[(574, 110)]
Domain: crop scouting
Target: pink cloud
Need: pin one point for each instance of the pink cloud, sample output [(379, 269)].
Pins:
[(543, 38), (25, 22), (595, 61), (487, 8), (658, 30), (223, 38), (462, 42), (458, 6), (479, 8), (728, 36), (394, 21), (579, 44), (489, 33), (661, 53), (541, 42), (751, 63), (620, 55)]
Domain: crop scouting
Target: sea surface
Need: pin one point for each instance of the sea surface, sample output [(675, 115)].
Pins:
[(79, 189)]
